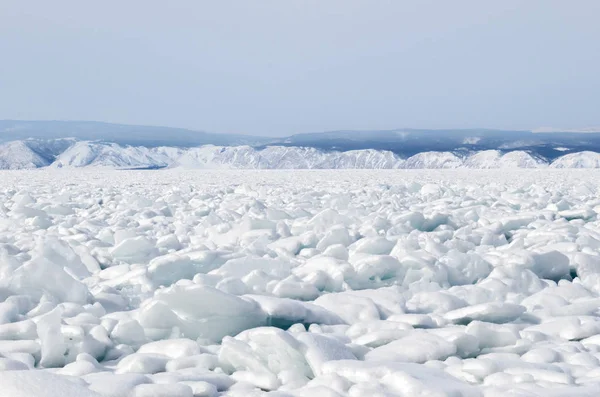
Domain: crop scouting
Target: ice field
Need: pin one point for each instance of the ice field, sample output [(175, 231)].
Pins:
[(173, 283)]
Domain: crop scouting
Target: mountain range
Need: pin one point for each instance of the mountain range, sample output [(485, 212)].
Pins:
[(60, 144)]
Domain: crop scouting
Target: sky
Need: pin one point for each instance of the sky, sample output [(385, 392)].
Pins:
[(279, 67)]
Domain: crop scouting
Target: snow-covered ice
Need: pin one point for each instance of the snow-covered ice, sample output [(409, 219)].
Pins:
[(456, 283)]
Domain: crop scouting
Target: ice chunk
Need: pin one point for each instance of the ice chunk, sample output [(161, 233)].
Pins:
[(170, 242), (219, 379), (568, 328), (203, 360), (338, 251), (114, 385), (25, 329), (326, 273), (586, 264), (377, 333), (415, 320), (372, 245), (334, 236), (494, 312), (583, 213), (434, 302), (263, 381), (6, 364), (41, 384), (40, 277), (324, 219), (551, 265), (319, 349), (349, 307), (465, 268), (20, 346), (292, 287), (492, 335), (172, 348), (292, 245), (376, 269), (134, 249), (121, 235), (283, 313), (236, 355), (168, 269), (416, 347), (128, 332), (402, 378), (165, 390), (241, 267), (78, 368), (142, 363), (201, 311), (201, 389), (60, 253), (265, 349), (54, 347)]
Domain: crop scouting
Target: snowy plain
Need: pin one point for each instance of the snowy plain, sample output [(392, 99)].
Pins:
[(437, 283)]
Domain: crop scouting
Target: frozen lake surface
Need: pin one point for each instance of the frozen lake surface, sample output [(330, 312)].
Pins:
[(455, 283)]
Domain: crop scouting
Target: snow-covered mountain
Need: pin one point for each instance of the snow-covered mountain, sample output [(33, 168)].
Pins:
[(32, 153), (18, 155), (578, 160), (434, 160), (404, 142), (496, 159), (83, 154), (248, 157)]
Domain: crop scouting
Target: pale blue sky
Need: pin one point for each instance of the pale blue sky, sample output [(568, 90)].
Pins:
[(287, 66)]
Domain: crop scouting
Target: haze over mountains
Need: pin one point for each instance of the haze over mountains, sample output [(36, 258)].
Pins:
[(36, 144)]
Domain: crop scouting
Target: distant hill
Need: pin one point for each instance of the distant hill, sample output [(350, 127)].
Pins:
[(123, 134), (408, 142)]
